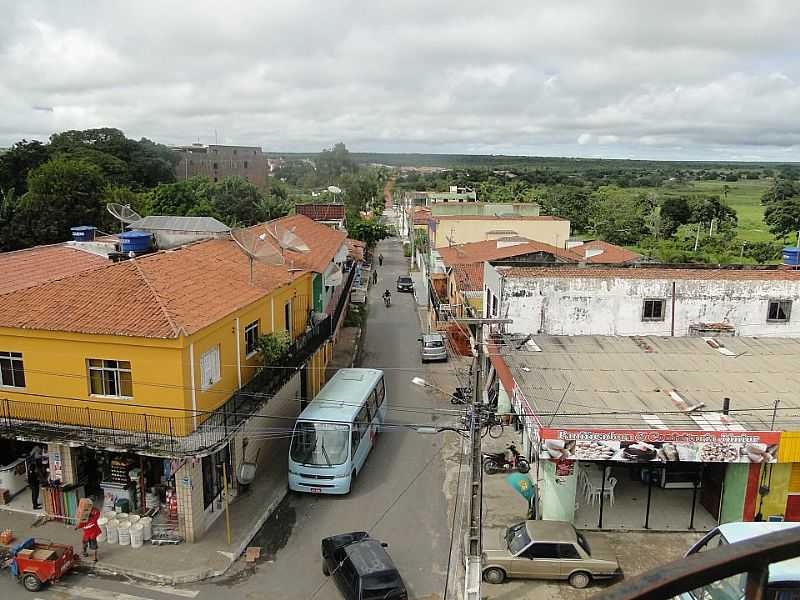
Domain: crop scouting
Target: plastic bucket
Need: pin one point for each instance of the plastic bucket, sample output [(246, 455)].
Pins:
[(124, 533), (101, 538), (137, 535), (134, 519), (122, 516), (147, 527), (112, 536), (101, 523)]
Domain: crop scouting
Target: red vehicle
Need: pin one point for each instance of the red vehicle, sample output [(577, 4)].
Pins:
[(36, 562)]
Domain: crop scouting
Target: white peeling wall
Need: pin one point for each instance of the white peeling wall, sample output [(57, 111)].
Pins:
[(593, 306)]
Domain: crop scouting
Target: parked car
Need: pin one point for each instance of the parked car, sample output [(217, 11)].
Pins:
[(361, 567), (432, 347), (784, 576), (547, 550), (405, 283)]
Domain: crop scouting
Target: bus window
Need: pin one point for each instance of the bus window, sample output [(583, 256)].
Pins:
[(362, 420), (381, 390), (372, 402)]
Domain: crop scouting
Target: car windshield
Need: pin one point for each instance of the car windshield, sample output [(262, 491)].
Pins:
[(434, 344), (517, 538), (404, 280), (584, 544), (320, 444)]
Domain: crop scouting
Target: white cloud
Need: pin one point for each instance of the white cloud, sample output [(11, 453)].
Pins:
[(541, 78)]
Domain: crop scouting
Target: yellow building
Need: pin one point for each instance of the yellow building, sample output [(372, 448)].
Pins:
[(159, 354)]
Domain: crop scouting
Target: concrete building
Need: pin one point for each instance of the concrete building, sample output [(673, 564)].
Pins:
[(488, 209), (217, 162), (454, 194), (644, 300), (448, 230)]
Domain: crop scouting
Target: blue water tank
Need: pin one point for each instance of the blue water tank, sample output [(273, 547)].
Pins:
[(135, 241), (791, 256), (84, 233)]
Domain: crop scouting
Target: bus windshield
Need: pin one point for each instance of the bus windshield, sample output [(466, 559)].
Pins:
[(320, 444)]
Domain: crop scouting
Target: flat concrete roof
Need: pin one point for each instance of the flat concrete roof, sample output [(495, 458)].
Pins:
[(627, 377)]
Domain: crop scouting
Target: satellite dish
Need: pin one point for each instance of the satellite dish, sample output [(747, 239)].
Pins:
[(334, 189), (256, 247), (125, 214), (288, 240)]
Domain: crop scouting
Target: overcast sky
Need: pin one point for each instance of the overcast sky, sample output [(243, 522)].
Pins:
[(685, 80)]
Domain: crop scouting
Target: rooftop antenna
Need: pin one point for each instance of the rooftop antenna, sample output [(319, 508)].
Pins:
[(125, 214), (256, 247)]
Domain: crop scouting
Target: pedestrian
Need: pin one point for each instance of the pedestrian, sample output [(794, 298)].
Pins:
[(375, 276), (380, 260), (35, 480), (91, 530)]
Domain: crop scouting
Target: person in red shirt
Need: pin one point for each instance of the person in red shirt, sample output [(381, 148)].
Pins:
[(91, 530)]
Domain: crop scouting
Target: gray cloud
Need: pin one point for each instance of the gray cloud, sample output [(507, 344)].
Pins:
[(717, 79)]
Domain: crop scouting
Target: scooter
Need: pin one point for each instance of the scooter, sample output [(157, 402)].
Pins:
[(501, 462), (387, 300)]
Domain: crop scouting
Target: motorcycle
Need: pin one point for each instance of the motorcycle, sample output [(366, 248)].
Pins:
[(505, 462), (387, 300)]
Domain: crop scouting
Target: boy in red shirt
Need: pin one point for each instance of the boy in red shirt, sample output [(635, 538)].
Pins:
[(91, 530)]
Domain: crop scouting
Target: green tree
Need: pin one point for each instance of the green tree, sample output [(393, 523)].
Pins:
[(62, 193), (569, 202), (16, 163), (8, 208), (368, 231), (783, 217), (237, 201), (707, 208), (191, 198), (619, 217)]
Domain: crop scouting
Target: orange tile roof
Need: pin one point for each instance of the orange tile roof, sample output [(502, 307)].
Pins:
[(469, 277), (612, 254), (321, 212), (489, 250), (25, 268), (323, 241), (356, 249), (655, 272), (168, 293)]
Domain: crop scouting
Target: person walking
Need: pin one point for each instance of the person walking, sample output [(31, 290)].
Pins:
[(35, 480), (380, 260), (375, 276), (91, 531)]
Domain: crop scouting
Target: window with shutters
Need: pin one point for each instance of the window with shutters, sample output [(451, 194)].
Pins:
[(209, 368)]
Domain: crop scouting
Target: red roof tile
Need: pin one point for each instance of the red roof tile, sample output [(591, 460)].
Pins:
[(25, 268), (611, 254), (321, 212), (323, 241), (496, 249), (469, 277), (654, 272), (355, 249)]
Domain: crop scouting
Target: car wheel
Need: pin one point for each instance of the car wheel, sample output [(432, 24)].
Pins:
[(494, 575), (31, 582), (325, 570), (580, 579)]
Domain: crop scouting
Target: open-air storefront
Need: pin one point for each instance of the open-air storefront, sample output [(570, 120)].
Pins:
[(647, 479)]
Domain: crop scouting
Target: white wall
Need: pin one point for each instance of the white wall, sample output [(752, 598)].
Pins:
[(613, 306)]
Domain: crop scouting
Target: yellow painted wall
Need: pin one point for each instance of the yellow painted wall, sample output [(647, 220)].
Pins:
[(775, 501), (465, 231), (56, 369), (789, 448)]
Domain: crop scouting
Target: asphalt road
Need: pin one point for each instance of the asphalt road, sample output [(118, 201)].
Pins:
[(398, 497)]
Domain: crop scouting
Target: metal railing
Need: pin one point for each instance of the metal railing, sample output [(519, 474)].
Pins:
[(703, 569), (171, 432)]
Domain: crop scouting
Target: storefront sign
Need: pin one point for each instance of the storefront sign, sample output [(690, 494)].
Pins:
[(56, 467), (659, 445)]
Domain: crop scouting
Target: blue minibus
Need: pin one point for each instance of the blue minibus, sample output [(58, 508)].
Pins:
[(334, 434)]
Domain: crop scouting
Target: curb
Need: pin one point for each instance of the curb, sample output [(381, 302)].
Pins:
[(196, 575)]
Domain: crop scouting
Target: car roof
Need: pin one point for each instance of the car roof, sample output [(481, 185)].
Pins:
[(786, 570), (368, 557), (429, 337), (404, 276), (550, 531)]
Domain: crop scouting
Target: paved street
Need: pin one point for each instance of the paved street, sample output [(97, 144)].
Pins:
[(398, 497)]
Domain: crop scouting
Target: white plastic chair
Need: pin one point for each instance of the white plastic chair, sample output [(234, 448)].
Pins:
[(609, 491)]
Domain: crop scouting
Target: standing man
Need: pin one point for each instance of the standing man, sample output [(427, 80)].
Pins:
[(380, 260), (91, 530), (34, 466), (375, 276)]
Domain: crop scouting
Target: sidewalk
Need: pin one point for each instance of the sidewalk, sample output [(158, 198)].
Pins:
[(637, 551), (171, 565)]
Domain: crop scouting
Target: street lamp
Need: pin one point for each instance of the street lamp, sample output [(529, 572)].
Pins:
[(454, 398)]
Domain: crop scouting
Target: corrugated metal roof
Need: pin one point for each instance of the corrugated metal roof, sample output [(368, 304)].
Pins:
[(620, 378), (172, 223)]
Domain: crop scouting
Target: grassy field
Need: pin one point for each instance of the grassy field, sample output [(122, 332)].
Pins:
[(743, 196)]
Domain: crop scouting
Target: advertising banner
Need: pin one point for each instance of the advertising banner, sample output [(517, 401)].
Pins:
[(659, 445)]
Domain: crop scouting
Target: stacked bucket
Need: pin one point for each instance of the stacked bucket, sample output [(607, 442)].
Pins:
[(125, 529)]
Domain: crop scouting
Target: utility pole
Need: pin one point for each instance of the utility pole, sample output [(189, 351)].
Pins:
[(472, 583)]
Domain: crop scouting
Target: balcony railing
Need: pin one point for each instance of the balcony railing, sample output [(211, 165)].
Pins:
[(752, 556), (175, 432)]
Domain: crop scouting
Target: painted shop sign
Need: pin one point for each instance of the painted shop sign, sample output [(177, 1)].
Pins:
[(659, 445)]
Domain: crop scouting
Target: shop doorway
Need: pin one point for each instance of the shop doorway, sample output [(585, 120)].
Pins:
[(213, 482), (641, 496)]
